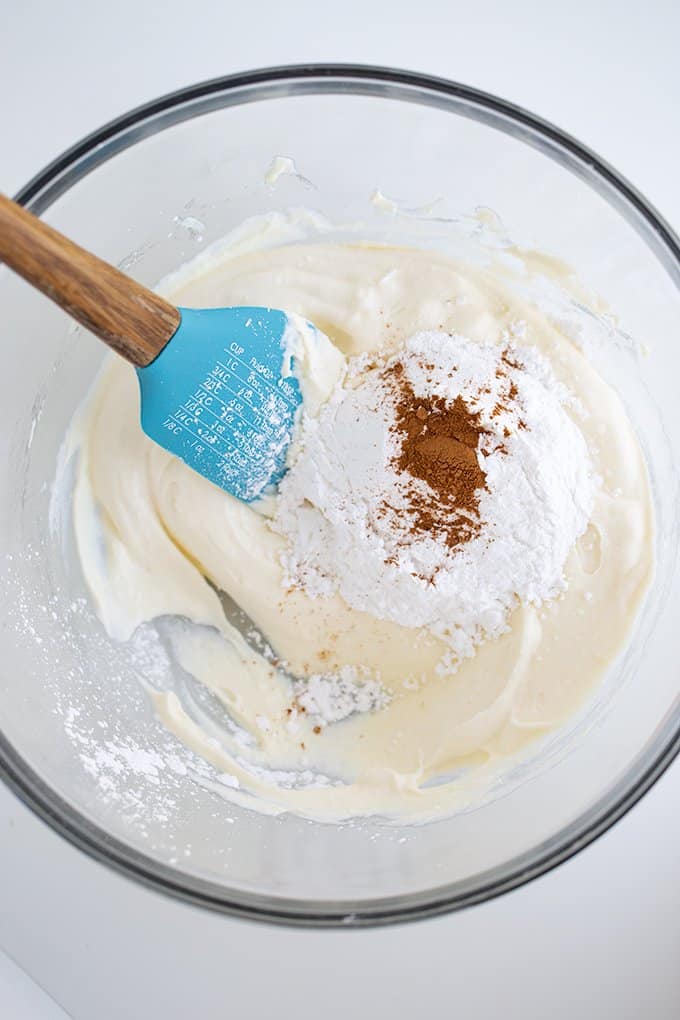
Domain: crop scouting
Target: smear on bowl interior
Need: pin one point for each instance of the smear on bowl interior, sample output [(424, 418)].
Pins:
[(454, 557)]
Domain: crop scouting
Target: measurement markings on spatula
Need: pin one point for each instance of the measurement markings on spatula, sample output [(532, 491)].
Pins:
[(239, 400)]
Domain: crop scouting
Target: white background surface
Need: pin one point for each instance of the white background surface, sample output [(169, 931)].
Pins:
[(600, 937)]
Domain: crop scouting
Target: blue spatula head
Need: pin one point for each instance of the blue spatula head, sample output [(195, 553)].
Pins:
[(216, 397)]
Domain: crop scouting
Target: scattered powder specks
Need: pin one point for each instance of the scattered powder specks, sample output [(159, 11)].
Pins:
[(330, 697), (96, 690)]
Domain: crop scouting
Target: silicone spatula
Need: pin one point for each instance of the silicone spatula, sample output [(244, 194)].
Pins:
[(212, 386)]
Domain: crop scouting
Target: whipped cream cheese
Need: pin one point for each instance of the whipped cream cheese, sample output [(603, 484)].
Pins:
[(156, 540)]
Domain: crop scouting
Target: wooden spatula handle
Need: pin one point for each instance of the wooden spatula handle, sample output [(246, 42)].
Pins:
[(132, 320)]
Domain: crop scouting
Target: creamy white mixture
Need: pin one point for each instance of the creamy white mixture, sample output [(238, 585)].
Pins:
[(343, 708)]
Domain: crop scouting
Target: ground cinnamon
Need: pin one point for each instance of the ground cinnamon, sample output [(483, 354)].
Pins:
[(439, 442)]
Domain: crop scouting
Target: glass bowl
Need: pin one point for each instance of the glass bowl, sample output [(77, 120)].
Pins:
[(80, 742)]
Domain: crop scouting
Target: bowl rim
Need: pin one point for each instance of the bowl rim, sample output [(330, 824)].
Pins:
[(37, 195)]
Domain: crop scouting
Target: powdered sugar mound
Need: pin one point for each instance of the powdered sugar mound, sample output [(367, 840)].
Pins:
[(330, 697), (346, 510)]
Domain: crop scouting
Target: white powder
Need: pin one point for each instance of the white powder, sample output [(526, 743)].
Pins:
[(537, 501), (330, 697), (134, 767)]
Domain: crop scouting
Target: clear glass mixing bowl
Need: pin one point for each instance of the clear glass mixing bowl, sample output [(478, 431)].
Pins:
[(80, 743)]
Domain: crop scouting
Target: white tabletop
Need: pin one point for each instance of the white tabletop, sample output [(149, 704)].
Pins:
[(599, 937)]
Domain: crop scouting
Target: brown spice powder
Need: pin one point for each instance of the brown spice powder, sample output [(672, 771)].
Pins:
[(439, 442)]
